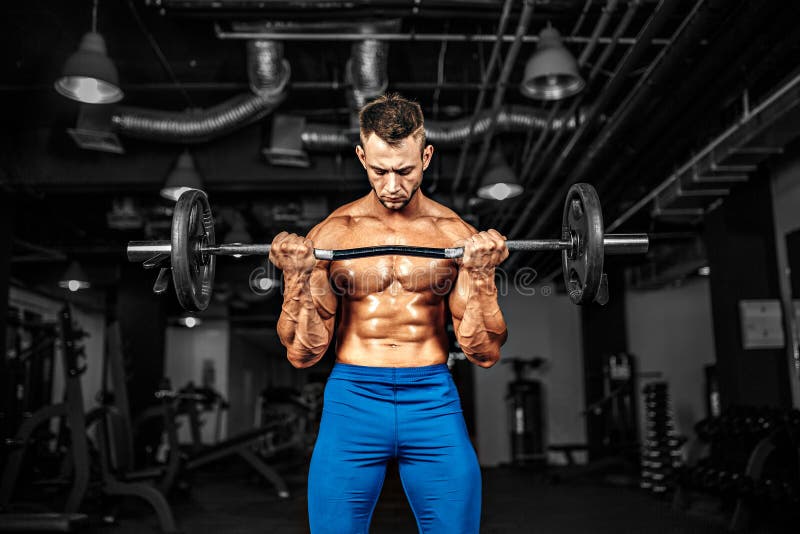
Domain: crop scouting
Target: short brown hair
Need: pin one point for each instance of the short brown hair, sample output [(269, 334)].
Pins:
[(392, 118)]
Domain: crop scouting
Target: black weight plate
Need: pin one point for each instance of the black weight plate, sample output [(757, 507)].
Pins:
[(583, 223), (192, 271)]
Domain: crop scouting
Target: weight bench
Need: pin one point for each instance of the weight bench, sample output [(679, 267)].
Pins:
[(70, 410), (241, 445)]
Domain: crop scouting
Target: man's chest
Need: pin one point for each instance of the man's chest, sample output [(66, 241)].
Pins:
[(363, 276)]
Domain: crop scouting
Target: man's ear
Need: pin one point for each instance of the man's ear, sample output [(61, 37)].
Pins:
[(427, 154), (361, 156)]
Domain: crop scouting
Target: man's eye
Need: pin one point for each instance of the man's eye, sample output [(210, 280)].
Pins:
[(403, 173), (380, 173)]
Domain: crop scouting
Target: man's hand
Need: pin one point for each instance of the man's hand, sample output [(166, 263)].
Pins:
[(484, 251), (293, 254)]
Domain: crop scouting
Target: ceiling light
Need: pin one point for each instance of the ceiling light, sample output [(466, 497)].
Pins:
[(74, 278), (89, 75), (182, 178), (189, 321), (704, 271), (499, 182), (551, 72)]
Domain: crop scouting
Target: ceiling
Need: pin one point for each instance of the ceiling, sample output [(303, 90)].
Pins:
[(664, 78)]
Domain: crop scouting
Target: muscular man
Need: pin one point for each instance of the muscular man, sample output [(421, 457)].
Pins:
[(390, 394)]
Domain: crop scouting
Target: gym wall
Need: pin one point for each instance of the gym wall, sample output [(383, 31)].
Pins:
[(546, 326), (198, 354), (257, 360), (670, 331), (785, 201)]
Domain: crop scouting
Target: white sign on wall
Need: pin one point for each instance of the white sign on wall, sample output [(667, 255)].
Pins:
[(762, 324)]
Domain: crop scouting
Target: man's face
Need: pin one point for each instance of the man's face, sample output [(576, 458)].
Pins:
[(395, 173)]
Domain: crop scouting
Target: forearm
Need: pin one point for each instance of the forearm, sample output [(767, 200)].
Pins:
[(301, 327), (482, 330)]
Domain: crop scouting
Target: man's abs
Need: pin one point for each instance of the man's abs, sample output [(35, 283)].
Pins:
[(405, 330)]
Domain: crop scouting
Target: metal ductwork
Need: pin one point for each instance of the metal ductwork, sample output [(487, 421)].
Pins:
[(367, 71), (269, 75), (444, 134)]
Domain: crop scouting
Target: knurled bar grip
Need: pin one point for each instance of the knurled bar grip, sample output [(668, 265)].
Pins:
[(140, 251)]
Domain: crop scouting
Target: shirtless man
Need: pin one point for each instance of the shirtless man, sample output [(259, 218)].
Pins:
[(390, 394)]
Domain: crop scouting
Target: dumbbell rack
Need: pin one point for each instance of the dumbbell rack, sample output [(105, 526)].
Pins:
[(661, 453), (752, 464)]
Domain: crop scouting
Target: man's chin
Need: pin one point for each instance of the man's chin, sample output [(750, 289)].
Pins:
[(394, 204)]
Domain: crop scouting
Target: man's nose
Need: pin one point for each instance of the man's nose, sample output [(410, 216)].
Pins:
[(392, 183)]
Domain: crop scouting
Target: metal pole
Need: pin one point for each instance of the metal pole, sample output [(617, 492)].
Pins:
[(612, 244), (415, 37), (497, 100), (478, 108)]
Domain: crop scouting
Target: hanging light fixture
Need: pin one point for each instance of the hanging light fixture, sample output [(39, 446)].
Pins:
[(74, 278), (499, 182), (89, 75), (551, 72), (189, 321), (182, 178)]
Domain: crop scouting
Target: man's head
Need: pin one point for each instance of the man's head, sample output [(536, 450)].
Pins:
[(393, 149)]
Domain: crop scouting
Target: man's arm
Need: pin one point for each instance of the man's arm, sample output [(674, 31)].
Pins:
[(305, 325), (477, 320)]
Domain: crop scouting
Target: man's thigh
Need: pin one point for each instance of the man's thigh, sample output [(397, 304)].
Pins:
[(346, 474), (440, 474)]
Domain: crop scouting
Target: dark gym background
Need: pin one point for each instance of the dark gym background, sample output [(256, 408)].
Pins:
[(672, 407)]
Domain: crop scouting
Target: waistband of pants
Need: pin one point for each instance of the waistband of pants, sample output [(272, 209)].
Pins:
[(388, 374)]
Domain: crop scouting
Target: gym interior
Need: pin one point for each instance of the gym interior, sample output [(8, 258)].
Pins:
[(650, 381)]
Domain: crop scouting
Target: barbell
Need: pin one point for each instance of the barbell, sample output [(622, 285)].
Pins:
[(192, 249)]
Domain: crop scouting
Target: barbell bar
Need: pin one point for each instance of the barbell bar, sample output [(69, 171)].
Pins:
[(191, 252), (613, 244)]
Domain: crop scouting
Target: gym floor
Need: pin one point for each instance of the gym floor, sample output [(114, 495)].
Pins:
[(513, 501)]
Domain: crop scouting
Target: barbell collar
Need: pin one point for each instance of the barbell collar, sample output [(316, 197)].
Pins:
[(141, 251), (617, 244)]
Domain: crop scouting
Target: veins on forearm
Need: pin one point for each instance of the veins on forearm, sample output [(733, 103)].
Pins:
[(301, 328), (482, 329)]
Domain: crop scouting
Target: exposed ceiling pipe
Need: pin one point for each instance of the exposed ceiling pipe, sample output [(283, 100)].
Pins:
[(412, 37), (269, 75), (527, 175), (529, 171), (658, 19), (599, 28), (367, 72), (708, 76), (751, 123), (636, 97), (499, 94), (478, 108), (446, 134), (265, 66)]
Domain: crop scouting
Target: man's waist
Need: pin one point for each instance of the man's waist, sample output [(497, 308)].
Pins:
[(390, 374)]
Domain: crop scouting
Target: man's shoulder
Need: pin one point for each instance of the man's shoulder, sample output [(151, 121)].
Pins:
[(449, 221)]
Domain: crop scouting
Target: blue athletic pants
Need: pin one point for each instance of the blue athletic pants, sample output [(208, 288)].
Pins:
[(373, 414)]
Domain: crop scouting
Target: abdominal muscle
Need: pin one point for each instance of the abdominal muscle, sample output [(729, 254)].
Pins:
[(404, 329)]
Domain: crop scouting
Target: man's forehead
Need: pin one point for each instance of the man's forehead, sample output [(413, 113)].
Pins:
[(381, 153)]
